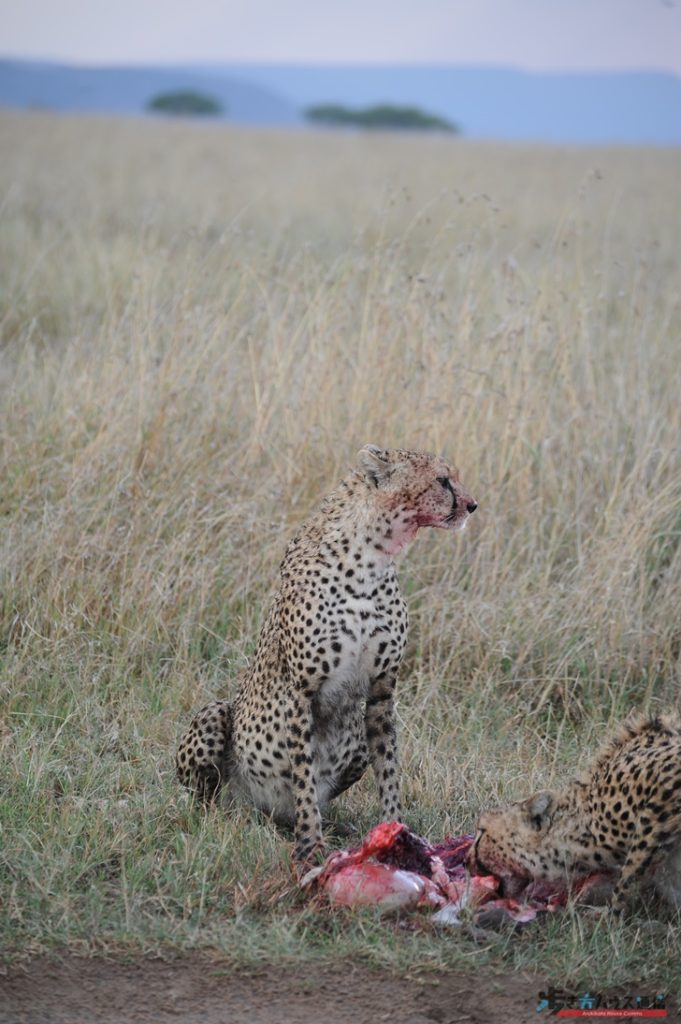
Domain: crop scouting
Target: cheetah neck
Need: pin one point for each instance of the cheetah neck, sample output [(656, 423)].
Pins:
[(571, 825), (368, 529)]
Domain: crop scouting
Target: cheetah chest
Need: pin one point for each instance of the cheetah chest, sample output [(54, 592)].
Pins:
[(361, 636), (366, 640)]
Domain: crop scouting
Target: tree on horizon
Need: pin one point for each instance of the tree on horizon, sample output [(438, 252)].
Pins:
[(185, 103), (381, 116)]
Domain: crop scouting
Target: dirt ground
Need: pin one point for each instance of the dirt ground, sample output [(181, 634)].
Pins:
[(198, 991)]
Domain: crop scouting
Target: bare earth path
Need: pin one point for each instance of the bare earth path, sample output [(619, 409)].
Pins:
[(195, 990), (198, 991)]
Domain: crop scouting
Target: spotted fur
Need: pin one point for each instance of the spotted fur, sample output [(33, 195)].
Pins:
[(315, 708), (622, 815)]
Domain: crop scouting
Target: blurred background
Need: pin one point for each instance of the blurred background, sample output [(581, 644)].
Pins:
[(583, 71)]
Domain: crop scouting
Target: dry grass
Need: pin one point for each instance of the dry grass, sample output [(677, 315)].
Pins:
[(199, 328)]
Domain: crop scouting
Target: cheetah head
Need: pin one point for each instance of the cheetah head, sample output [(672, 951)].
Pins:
[(415, 489), (529, 840)]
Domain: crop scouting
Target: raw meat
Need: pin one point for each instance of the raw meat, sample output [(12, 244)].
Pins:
[(397, 870)]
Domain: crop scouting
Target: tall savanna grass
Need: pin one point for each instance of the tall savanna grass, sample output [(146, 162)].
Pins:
[(200, 326)]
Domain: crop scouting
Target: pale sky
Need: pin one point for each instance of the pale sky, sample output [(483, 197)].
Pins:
[(536, 35)]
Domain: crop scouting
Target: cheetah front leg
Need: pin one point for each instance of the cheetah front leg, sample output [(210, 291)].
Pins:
[(308, 819), (382, 743), (637, 863)]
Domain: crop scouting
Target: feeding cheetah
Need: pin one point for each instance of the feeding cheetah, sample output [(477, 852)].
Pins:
[(622, 815), (315, 707)]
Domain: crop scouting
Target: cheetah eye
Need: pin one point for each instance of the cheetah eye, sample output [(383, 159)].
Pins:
[(537, 822), (444, 481)]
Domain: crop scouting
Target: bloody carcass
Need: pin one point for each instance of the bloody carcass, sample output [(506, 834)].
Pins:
[(397, 870)]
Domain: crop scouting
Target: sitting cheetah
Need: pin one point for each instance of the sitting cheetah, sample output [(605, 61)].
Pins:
[(622, 815), (316, 705)]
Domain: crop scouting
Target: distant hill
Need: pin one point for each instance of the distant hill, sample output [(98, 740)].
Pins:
[(124, 90), (492, 103), (496, 103)]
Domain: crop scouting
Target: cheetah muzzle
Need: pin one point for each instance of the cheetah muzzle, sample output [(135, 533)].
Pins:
[(315, 707)]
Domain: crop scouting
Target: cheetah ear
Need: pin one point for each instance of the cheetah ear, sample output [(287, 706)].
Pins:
[(374, 463), (538, 808)]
